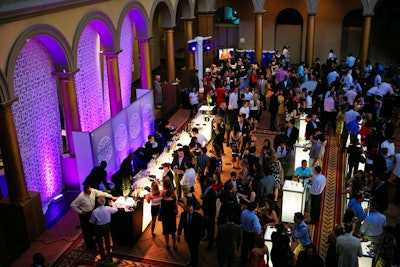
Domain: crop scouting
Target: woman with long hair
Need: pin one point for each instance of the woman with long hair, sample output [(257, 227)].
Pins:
[(168, 212), (154, 197)]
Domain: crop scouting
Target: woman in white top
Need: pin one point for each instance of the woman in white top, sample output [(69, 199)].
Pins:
[(245, 109), (155, 198), (255, 108), (194, 101)]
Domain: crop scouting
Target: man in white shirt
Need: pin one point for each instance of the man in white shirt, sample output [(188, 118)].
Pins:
[(84, 204), (316, 186), (233, 100), (203, 141), (248, 95), (384, 88), (189, 176), (330, 111), (332, 76), (351, 95)]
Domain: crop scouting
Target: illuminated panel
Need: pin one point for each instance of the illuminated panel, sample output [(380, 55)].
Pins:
[(37, 120), (125, 61), (88, 81)]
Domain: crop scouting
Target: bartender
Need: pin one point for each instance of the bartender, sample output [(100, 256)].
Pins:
[(303, 173)]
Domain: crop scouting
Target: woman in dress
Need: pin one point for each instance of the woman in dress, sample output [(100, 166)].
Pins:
[(155, 198), (257, 254), (275, 169), (251, 195), (281, 108), (266, 151), (194, 101), (236, 141), (255, 109), (268, 215), (188, 198), (215, 163), (169, 209)]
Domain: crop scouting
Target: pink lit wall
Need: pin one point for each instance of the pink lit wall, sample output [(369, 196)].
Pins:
[(37, 120), (125, 61), (92, 98)]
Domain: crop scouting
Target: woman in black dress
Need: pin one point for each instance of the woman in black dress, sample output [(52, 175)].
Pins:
[(169, 209), (280, 245)]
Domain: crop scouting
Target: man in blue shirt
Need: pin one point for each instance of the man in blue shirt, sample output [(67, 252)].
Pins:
[(250, 227), (359, 213), (303, 173), (353, 127), (300, 232)]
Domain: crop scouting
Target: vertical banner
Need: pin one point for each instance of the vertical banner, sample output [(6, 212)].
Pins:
[(120, 137), (147, 113), (103, 146), (134, 122)]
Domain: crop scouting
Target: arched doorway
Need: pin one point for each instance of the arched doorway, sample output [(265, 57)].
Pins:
[(351, 33), (289, 30)]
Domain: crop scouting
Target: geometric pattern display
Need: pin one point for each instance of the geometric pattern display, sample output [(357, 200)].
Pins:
[(37, 120), (92, 100), (125, 61)]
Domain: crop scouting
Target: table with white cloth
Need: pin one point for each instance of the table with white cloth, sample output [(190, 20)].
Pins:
[(293, 199), (301, 152), (368, 255)]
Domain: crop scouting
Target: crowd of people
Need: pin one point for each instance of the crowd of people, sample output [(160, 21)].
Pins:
[(346, 95)]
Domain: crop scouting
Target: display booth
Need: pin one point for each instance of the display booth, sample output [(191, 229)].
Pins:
[(115, 139), (267, 57)]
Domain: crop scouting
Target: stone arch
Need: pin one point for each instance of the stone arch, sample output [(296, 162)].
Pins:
[(104, 27), (3, 87), (55, 42), (138, 15), (187, 8), (289, 30), (351, 33), (167, 12)]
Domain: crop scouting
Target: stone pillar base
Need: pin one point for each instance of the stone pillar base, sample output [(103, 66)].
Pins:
[(20, 224)]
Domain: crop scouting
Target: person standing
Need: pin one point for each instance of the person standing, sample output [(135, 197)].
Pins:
[(101, 218), (280, 245), (194, 80), (210, 210), (84, 205), (193, 101), (158, 91), (300, 232), (192, 224), (314, 151), (273, 109), (316, 186), (98, 175), (348, 248), (155, 198), (168, 211), (250, 228), (178, 164), (228, 241)]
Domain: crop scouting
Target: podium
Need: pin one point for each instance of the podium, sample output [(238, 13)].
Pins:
[(171, 94), (293, 199)]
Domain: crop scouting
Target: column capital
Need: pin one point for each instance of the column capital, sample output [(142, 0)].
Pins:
[(185, 19), (368, 14), (66, 74), (311, 14), (168, 28), (6, 106), (260, 12), (143, 39), (111, 53)]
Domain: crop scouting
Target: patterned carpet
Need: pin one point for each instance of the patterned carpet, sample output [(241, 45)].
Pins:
[(77, 254)]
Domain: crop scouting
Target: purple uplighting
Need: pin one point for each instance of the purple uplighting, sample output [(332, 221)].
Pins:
[(37, 120), (125, 60)]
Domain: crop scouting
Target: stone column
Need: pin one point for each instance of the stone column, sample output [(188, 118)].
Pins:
[(15, 178), (258, 36), (206, 25), (70, 104), (145, 63), (366, 31), (310, 39), (113, 82), (170, 56), (188, 31)]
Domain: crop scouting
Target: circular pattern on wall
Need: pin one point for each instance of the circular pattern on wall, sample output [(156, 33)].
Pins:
[(121, 137), (134, 125), (104, 149), (147, 115)]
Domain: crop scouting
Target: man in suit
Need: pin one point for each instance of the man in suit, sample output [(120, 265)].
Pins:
[(286, 85), (262, 87), (348, 248), (228, 241), (312, 125), (210, 209), (292, 132), (242, 125), (178, 165), (273, 109), (192, 224)]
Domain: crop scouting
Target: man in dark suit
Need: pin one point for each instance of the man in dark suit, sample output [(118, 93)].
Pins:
[(178, 166), (273, 109), (209, 209), (312, 125), (192, 223), (285, 85), (242, 125), (292, 132), (228, 241)]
